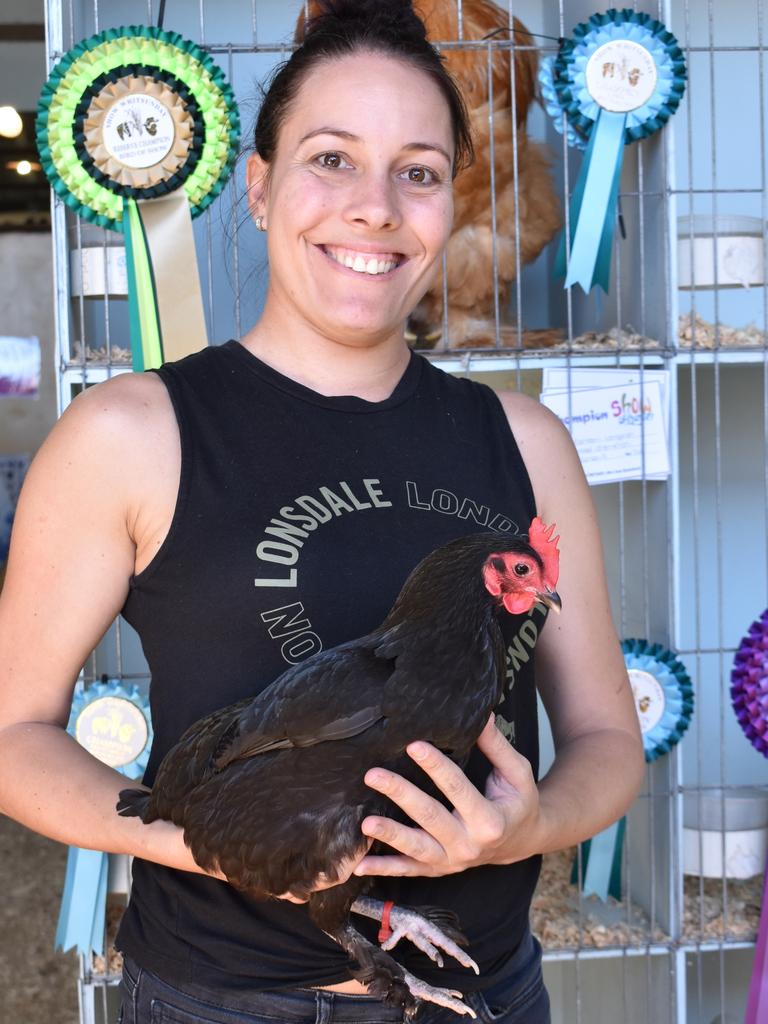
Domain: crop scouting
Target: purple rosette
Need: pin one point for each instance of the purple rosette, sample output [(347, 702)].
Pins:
[(749, 684)]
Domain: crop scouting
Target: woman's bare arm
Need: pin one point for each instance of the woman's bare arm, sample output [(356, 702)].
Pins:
[(96, 498), (580, 670)]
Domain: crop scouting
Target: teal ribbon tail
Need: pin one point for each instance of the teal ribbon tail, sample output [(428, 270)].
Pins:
[(594, 208), (83, 910), (574, 210), (601, 859), (605, 249), (134, 316)]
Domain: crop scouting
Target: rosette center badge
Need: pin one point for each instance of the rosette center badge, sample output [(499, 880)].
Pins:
[(621, 76), (114, 730), (138, 132)]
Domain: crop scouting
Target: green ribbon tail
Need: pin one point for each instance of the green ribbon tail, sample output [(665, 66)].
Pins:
[(146, 341)]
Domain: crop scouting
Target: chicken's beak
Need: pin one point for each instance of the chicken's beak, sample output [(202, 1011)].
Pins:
[(551, 599)]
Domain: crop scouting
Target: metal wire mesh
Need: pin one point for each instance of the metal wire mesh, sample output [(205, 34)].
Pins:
[(686, 557)]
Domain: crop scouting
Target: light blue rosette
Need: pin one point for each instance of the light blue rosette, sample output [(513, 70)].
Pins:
[(664, 700), (112, 721), (618, 80)]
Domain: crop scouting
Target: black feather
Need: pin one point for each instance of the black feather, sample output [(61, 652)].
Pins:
[(133, 803)]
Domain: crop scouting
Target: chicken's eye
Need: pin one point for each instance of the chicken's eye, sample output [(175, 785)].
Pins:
[(521, 569)]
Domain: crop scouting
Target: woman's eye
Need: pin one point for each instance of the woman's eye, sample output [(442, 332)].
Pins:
[(331, 160), (421, 176)]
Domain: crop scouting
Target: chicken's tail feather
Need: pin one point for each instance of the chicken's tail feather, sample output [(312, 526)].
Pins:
[(133, 803)]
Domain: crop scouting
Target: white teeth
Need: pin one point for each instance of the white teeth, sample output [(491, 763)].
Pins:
[(360, 264)]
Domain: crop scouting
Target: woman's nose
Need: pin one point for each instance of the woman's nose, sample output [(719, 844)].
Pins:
[(374, 203)]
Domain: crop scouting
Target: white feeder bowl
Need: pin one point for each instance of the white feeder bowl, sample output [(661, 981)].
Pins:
[(722, 252), (725, 833), (99, 270)]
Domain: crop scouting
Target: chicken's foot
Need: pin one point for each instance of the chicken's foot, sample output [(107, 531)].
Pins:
[(428, 928), (388, 981), (449, 998)]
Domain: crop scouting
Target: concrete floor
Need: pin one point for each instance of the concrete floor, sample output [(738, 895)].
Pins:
[(37, 985)]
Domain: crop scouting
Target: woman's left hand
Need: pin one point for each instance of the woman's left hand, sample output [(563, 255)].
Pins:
[(497, 827)]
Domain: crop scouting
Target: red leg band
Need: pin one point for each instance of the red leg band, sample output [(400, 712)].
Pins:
[(385, 931)]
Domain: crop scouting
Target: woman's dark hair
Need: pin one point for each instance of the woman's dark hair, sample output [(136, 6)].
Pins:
[(340, 28)]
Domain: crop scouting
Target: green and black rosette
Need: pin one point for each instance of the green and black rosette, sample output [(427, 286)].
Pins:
[(663, 695), (617, 80), (138, 131), (112, 721)]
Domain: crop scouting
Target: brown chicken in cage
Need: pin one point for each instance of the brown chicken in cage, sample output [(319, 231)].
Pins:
[(527, 207)]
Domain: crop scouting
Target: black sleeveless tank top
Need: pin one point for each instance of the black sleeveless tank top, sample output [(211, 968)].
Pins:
[(297, 520)]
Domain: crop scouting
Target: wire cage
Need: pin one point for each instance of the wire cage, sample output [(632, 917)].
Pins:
[(686, 553)]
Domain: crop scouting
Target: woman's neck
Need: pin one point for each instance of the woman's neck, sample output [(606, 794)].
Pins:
[(370, 371)]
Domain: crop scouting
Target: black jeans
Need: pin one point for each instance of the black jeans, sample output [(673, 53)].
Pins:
[(519, 999)]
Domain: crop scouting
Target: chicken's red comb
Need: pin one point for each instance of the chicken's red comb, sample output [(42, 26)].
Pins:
[(540, 539)]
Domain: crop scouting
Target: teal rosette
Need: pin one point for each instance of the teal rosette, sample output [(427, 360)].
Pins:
[(619, 79), (664, 702), (663, 695), (113, 722)]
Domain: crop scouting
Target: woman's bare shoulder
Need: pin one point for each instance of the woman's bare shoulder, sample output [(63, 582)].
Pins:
[(114, 444), (547, 449), (535, 427), (137, 396)]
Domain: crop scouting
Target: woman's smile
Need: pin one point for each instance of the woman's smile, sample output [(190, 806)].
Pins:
[(363, 262)]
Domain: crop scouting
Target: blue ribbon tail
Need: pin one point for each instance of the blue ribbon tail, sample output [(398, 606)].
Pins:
[(602, 874), (83, 902), (593, 206)]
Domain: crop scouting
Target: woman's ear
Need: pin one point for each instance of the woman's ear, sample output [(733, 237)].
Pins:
[(256, 178)]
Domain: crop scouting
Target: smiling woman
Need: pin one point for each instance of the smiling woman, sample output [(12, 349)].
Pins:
[(198, 488), (357, 212)]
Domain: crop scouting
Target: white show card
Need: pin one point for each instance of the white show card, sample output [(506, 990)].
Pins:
[(619, 431), (581, 378)]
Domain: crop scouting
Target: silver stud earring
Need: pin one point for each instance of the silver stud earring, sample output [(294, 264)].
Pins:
[(260, 224)]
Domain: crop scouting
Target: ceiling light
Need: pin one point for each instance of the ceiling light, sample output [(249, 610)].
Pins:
[(23, 167), (11, 125)]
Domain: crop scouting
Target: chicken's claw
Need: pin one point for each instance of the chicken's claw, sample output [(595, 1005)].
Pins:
[(449, 998), (423, 933)]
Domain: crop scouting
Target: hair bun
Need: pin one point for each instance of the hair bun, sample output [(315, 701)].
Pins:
[(395, 17)]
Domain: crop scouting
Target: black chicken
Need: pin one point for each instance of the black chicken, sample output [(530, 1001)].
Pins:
[(326, 721)]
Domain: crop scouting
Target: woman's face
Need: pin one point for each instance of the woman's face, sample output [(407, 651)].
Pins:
[(358, 205)]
